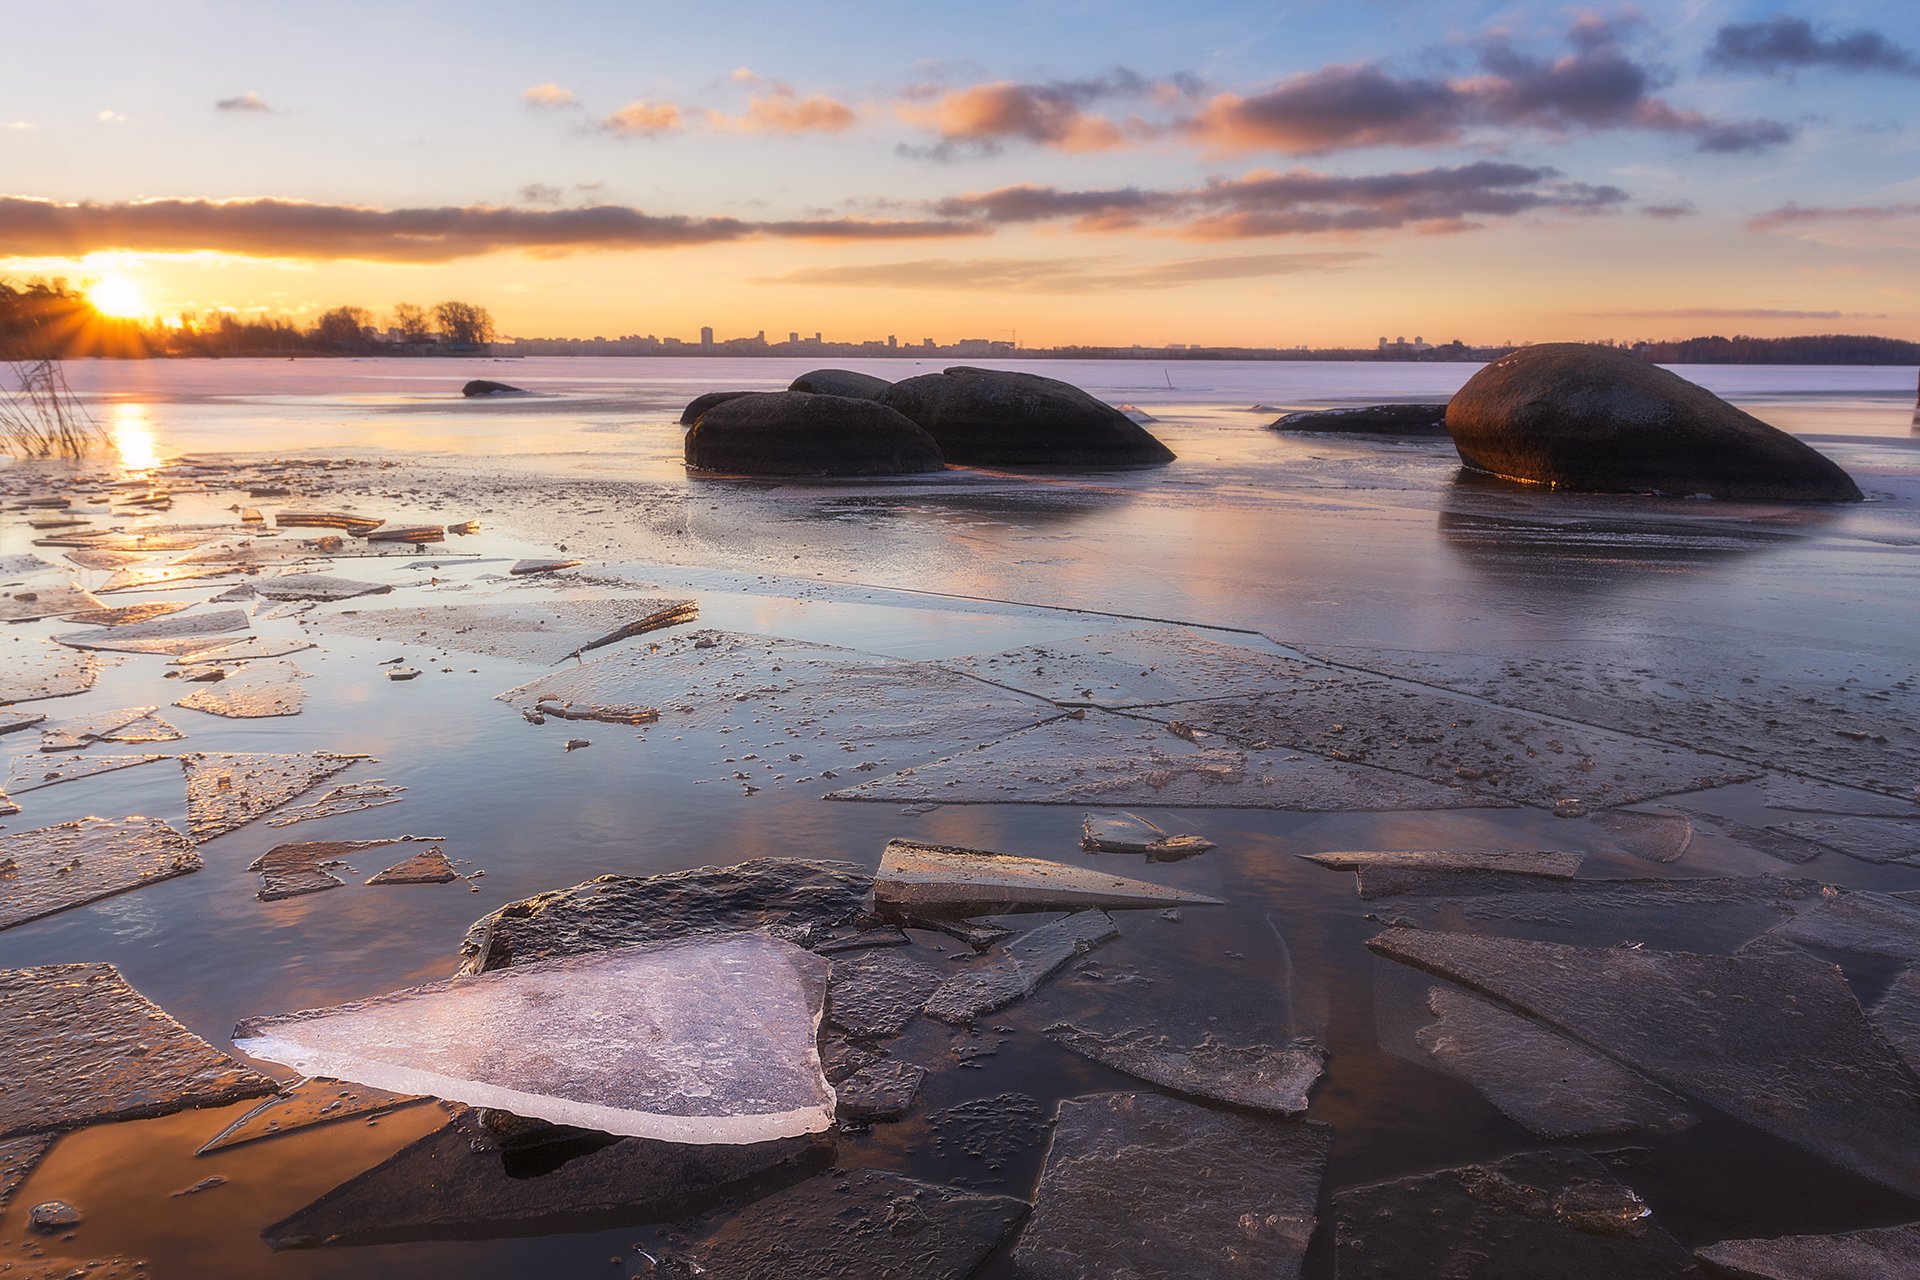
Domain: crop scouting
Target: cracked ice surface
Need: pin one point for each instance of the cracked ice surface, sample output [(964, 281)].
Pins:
[(33, 669), (706, 1040), (227, 790), (1141, 667), (54, 868), (943, 878), (545, 632)]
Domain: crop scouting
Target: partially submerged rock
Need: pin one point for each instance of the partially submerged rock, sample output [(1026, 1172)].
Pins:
[(1879, 1253), (1776, 1041), (792, 433), (986, 417), (701, 403), (1540, 1213), (1153, 1188), (79, 1046), (55, 868), (1546, 1082), (488, 387), (793, 898), (705, 1040), (1576, 416), (1026, 961), (1131, 833), (1258, 1077), (946, 879), (304, 1106), (842, 382), (868, 1223), (1369, 420), (457, 1184)]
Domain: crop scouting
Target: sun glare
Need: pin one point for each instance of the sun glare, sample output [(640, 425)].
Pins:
[(133, 437), (116, 296)]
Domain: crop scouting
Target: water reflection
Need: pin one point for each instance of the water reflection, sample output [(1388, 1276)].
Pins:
[(131, 430)]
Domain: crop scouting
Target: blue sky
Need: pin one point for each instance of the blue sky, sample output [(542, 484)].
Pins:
[(1217, 172)]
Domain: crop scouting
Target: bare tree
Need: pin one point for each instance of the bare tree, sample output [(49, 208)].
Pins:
[(343, 328), (465, 324), (412, 321)]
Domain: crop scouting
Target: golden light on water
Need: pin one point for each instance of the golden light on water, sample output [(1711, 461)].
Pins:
[(117, 297), (133, 437)]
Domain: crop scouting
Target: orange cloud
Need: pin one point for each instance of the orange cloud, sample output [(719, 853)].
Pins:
[(643, 119), (782, 111), (1037, 113), (548, 97)]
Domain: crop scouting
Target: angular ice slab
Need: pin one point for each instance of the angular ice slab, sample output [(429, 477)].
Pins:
[(1131, 833), (1874, 1254), (945, 878), (54, 868), (1029, 960), (1383, 873), (707, 1040)]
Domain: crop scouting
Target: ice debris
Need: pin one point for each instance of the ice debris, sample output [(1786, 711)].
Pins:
[(225, 791), (880, 1091), (318, 587), (427, 867), (874, 995), (1131, 833), (545, 633), (55, 868), (703, 1040), (295, 870), (1387, 872), (1879, 1253), (1257, 1077), (1027, 961), (946, 879)]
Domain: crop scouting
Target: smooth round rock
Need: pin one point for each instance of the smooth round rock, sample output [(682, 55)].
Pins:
[(482, 387), (793, 433), (700, 404), (1371, 420), (53, 1215), (842, 382), (1590, 418), (989, 417)]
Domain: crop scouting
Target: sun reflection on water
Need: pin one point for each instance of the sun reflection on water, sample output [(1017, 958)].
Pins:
[(133, 437)]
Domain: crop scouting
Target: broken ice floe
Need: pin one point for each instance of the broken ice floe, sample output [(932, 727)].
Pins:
[(456, 1183), (1867, 839), (1786, 792), (430, 866), (180, 633), (1141, 667), (545, 633), (635, 1041), (1155, 1188), (1110, 759), (1879, 1253), (354, 524), (1756, 1036), (55, 868), (317, 587), (227, 790), (1130, 833), (27, 605), (1849, 920), (1019, 968), (253, 647), (124, 724), (255, 692), (1559, 1213), (35, 772), (128, 614), (1898, 1018), (526, 568), (79, 1046), (793, 898), (875, 994), (944, 879), (880, 1091), (1387, 873), (302, 1106), (1551, 1085), (306, 866), (34, 669), (1258, 1077), (351, 797), (1651, 837)]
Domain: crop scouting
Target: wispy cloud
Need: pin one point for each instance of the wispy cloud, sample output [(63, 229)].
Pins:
[(642, 119), (1784, 45), (978, 118), (1797, 215), (549, 97), (1735, 313), (272, 228), (108, 115), (1098, 274), (1678, 209), (784, 111), (249, 101)]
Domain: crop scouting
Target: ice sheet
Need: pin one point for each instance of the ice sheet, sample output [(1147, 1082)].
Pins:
[(55, 868), (944, 879)]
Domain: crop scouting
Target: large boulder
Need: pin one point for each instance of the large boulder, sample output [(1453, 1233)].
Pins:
[(842, 382), (988, 417), (485, 387), (700, 404), (1593, 418), (1370, 420), (793, 433)]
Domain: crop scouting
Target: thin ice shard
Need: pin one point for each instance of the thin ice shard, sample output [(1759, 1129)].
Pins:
[(79, 1046), (303, 1106), (351, 797), (1131, 833), (1383, 873), (1141, 667), (28, 604), (429, 867), (295, 870), (1154, 1188), (871, 1223), (1257, 1077), (127, 615), (1880, 1253), (1776, 1041), (33, 669), (244, 650), (226, 791), (946, 879), (75, 732), (546, 633), (1898, 1018), (880, 1091), (1028, 961), (55, 868), (1551, 1085), (317, 586), (180, 633), (260, 691), (1786, 792), (706, 1040), (36, 772)]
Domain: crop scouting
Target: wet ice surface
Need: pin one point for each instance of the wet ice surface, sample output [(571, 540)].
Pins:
[(944, 880), (1855, 1255), (309, 1103), (56, 868), (705, 1040), (868, 630)]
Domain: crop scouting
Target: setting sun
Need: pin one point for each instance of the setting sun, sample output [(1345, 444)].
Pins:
[(118, 297)]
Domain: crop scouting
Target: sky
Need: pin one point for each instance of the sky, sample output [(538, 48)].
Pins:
[(1213, 172)]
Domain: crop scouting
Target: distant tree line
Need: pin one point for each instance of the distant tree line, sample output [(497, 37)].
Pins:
[(1826, 348)]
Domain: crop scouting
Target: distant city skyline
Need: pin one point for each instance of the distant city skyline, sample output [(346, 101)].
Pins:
[(1236, 173)]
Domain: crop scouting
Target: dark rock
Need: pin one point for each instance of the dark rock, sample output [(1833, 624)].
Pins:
[(793, 433), (482, 387), (1592, 418), (842, 382), (993, 418), (700, 404), (53, 1215), (1369, 420)]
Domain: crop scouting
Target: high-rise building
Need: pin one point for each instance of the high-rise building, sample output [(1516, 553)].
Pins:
[(706, 335)]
